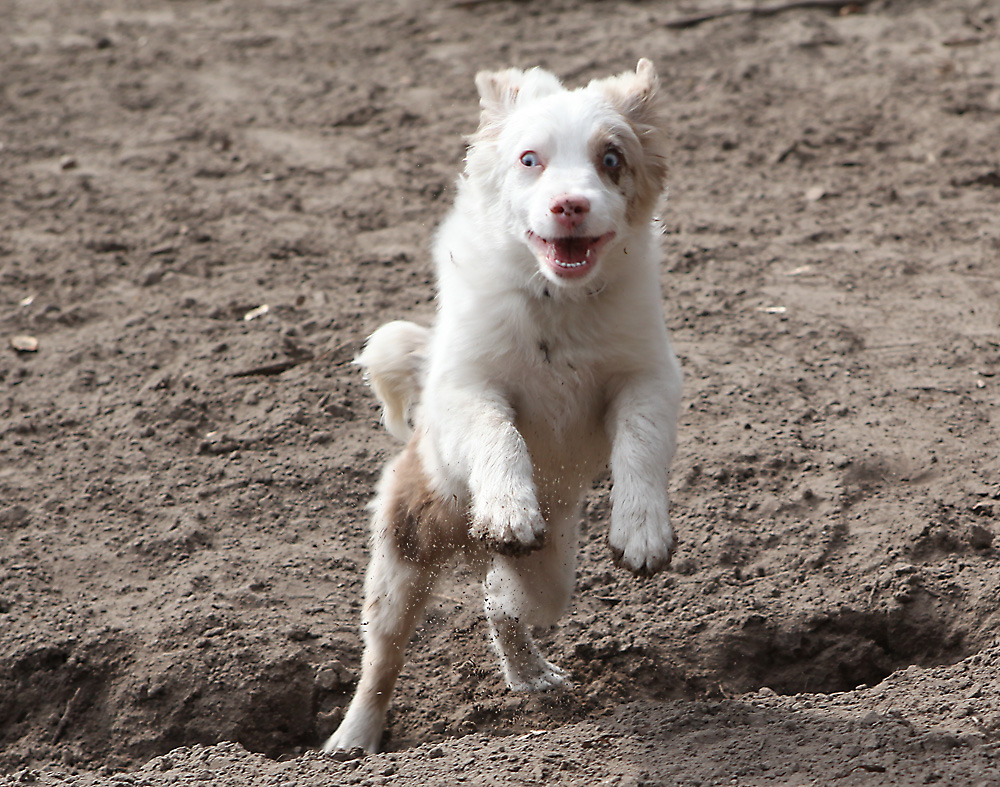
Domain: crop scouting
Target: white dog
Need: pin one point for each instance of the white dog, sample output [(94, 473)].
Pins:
[(548, 359)]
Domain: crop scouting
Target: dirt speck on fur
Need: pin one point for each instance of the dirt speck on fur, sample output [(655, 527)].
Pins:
[(182, 489)]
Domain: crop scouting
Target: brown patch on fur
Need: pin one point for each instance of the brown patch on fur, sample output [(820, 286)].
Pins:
[(624, 142), (424, 528), (636, 97), (600, 144)]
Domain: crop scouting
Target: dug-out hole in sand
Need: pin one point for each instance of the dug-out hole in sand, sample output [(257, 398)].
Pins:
[(840, 651), (105, 698)]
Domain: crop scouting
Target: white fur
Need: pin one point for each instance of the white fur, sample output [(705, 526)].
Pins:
[(544, 365)]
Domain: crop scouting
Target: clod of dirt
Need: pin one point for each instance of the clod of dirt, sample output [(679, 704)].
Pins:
[(980, 537), (14, 517), (24, 343)]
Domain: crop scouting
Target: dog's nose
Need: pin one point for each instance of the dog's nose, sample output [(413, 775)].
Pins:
[(569, 211)]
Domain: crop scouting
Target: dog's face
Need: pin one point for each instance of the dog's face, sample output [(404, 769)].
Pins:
[(570, 173)]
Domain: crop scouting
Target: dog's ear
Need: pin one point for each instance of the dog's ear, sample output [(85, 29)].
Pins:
[(498, 91), (635, 94), (501, 91)]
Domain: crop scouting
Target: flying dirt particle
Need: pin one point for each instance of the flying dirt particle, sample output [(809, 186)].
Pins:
[(815, 194), (259, 311)]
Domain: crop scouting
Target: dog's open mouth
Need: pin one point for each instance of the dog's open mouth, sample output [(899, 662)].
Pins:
[(570, 257)]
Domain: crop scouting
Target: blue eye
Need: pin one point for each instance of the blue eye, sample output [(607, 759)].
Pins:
[(530, 159), (612, 159)]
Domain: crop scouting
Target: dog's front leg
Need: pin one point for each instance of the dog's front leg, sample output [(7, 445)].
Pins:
[(476, 436), (642, 426)]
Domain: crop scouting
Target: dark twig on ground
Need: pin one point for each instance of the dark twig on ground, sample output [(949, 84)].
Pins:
[(767, 10), (299, 356), (64, 721)]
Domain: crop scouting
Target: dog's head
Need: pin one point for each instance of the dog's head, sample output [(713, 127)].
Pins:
[(571, 172)]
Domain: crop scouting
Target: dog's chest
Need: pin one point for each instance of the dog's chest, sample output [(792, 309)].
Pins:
[(558, 390)]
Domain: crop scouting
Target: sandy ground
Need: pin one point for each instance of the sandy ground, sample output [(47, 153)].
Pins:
[(183, 472)]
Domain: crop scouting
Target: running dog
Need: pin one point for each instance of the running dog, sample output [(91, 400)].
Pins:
[(548, 360)]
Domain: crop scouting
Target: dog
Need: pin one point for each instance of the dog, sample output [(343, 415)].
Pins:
[(548, 361)]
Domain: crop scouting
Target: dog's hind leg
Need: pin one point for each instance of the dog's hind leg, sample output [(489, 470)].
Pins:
[(397, 586), (396, 593), (532, 590)]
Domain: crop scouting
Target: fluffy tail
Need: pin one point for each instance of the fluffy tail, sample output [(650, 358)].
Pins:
[(393, 360)]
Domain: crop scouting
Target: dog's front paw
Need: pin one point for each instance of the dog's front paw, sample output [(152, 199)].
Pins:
[(509, 528), (644, 548)]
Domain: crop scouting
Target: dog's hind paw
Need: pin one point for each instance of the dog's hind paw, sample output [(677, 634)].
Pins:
[(548, 678), (529, 671), (361, 730)]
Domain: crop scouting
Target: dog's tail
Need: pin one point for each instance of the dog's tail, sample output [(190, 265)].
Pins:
[(393, 360)]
